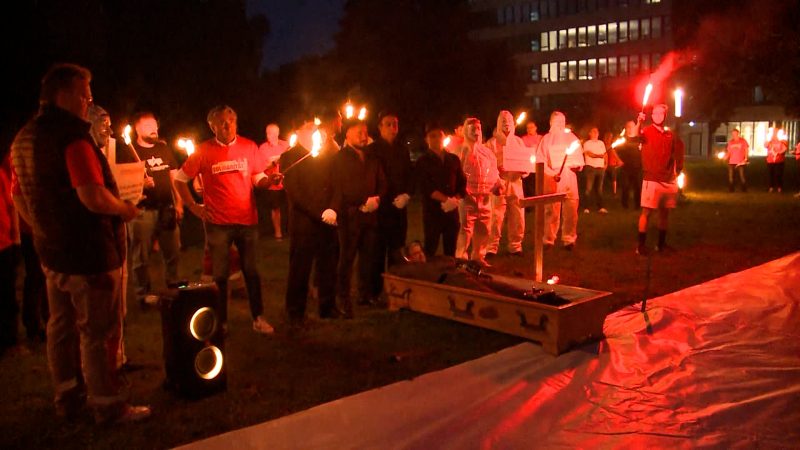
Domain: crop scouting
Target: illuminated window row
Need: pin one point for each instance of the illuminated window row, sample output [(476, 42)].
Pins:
[(533, 11), (594, 68), (603, 34)]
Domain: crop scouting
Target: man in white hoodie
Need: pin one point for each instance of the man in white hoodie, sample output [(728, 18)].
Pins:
[(480, 169), (507, 206), (560, 150)]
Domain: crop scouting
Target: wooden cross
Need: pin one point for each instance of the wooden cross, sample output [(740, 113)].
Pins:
[(539, 200)]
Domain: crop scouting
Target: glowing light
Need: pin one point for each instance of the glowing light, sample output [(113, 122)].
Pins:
[(681, 180), (349, 110), (446, 141), (317, 122), (187, 145), (316, 143), (293, 140), (573, 146), (521, 117), (208, 363), (203, 323), (782, 135), (691, 123), (618, 142), (647, 92), (567, 130), (362, 114), (533, 159), (553, 280), (678, 94), (126, 134), (720, 155)]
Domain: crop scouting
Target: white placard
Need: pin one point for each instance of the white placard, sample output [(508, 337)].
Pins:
[(518, 158), (130, 180)]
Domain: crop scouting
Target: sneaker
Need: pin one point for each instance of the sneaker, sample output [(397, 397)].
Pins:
[(586, 211), (642, 250), (151, 299), (235, 276), (602, 211), (261, 326), (129, 414), (770, 190)]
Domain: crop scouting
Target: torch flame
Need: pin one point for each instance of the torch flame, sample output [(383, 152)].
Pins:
[(126, 134), (678, 102), (446, 141), (681, 180), (348, 110), (316, 143), (521, 117), (720, 155), (293, 140), (187, 145), (567, 130), (618, 142), (573, 146), (782, 135), (647, 92), (553, 280), (362, 114), (317, 122)]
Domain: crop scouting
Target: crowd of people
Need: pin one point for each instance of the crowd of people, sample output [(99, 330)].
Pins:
[(346, 201)]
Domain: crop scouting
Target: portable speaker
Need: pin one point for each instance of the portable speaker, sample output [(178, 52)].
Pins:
[(194, 343)]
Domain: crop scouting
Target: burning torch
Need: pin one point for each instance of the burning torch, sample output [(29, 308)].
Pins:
[(570, 150), (521, 118), (126, 136), (316, 146)]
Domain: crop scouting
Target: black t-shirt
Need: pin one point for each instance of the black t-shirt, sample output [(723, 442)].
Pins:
[(158, 160)]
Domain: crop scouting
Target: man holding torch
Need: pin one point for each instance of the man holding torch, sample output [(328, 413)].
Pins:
[(231, 166), (560, 149), (662, 161), (312, 224)]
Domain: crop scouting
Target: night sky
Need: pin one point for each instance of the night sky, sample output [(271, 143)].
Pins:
[(297, 28)]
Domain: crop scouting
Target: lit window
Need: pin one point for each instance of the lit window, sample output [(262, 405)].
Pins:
[(562, 38), (622, 67), (582, 74), (634, 63), (553, 40), (545, 46), (534, 45), (633, 29), (545, 73), (623, 32), (644, 28), (562, 71), (553, 72), (534, 16), (573, 70), (592, 35), (612, 66), (534, 74), (582, 37), (602, 37), (602, 68), (612, 33), (572, 40), (591, 72)]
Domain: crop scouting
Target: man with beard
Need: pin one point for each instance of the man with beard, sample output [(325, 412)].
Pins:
[(662, 161), (312, 226), (161, 204), (392, 213), (358, 184), (560, 151), (507, 206)]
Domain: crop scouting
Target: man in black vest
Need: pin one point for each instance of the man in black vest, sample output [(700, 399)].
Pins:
[(67, 193), (358, 185), (312, 226), (392, 217)]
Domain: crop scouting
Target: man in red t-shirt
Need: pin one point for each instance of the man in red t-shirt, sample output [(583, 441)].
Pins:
[(230, 167), (662, 161)]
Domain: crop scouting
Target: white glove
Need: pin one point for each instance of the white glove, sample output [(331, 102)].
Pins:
[(450, 204), (371, 204), (401, 201), (329, 217)]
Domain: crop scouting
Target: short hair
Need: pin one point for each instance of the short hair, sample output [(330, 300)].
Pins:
[(736, 130), (350, 123), (217, 110), (143, 115), (61, 77), (661, 105), (387, 113), (435, 126), (471, 121)]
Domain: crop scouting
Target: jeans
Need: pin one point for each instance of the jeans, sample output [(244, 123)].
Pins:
[(34, 291), (732, 180), (142, 231), (775, 175), (219, 239), (594, 184), (85, 315)]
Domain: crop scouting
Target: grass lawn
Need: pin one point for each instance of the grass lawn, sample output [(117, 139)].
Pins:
[(715, 233)]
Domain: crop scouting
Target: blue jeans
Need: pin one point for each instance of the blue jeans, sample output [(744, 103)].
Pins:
[(219, 239), (594, 184)]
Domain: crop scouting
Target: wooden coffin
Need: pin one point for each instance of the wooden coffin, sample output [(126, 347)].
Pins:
[(557, 328)]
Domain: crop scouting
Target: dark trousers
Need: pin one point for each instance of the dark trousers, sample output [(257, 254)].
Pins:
[(630, 181), (594, 184), (357, 237), (775, 175), (318, 247), (34, 294), (219, 239), (529, 188), (439, 224), (8, 297), (392, 232)]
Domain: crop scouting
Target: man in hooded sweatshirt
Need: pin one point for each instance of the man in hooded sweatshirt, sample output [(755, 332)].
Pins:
[(507, 206), (560, 150)]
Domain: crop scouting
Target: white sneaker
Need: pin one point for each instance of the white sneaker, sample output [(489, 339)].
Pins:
[(261, 326), (586, 211), (151, 299), (602, 211), (235, 276)]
